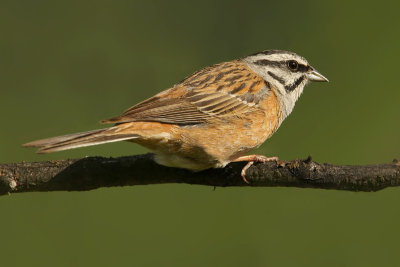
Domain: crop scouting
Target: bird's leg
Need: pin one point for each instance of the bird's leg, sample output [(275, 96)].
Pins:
[(251, 159)]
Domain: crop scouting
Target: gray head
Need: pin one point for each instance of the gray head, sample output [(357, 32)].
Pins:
[(287, 72)]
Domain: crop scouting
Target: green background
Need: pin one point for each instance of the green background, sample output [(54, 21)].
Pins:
[(65, 65)]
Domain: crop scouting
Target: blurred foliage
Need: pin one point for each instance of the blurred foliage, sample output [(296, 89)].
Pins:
[(65, 65)]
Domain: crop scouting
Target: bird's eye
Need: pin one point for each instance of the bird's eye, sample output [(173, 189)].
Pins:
[(293, 65)]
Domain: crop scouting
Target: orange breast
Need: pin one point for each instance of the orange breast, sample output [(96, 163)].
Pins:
[(236, 136)]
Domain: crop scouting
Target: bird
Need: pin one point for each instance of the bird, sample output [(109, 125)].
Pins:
[(215, 116)]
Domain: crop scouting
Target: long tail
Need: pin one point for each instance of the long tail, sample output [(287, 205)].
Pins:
[(69, 141)]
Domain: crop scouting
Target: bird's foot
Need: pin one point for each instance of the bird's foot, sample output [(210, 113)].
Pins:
[(251, 159)]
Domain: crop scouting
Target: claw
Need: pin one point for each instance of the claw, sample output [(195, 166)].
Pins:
[(251, 159)]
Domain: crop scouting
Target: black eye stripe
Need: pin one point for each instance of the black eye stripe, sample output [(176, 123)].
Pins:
[(281, 64), (266, 62), (303, 68)]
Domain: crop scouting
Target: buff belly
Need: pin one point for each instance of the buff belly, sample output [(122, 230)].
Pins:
[(201, 147)]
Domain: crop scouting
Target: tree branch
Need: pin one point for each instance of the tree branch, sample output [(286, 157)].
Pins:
[(95, 172)]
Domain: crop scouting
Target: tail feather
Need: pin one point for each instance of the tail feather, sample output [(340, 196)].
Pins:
[(59, 139), (69, 141)]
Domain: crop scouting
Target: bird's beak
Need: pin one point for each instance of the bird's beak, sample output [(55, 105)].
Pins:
[(315, 76)]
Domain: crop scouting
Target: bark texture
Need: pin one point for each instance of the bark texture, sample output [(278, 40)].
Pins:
[(95, 172)]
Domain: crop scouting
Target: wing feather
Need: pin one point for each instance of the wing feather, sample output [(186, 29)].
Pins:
[(221, 90)]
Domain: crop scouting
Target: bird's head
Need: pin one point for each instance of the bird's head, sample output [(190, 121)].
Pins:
[(287, 73)]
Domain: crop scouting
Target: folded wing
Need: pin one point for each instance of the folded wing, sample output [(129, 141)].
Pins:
[(222, 90)]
